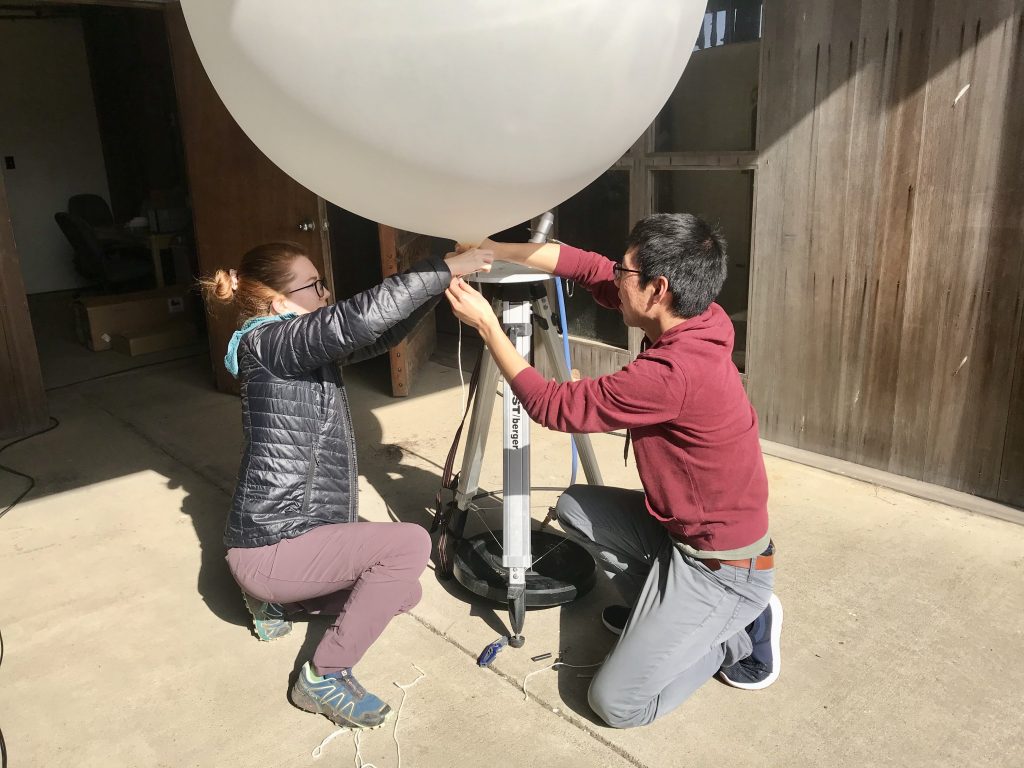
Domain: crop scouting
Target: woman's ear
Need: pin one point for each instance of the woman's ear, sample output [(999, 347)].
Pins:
[(280, 305)]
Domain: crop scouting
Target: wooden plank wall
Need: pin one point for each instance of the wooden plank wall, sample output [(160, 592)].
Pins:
[(23, 406), (887, 276), (399, 250), (592, 358)]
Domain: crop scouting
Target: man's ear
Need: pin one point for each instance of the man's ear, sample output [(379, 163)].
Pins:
[(661, 292)]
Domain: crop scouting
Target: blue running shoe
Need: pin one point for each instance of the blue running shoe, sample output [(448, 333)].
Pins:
[(761, 668), (268, 619), (339, 697)]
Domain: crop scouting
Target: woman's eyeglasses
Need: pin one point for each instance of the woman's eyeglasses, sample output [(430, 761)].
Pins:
[(618, 270), (318, 284)]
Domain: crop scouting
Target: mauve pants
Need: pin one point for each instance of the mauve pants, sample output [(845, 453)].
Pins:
[(367, 573)]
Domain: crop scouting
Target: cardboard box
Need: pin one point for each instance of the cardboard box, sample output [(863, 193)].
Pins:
[(99, 318), (154, 339)]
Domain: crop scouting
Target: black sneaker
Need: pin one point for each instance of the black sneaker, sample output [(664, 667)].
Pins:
[(761, 668), (614, 618)]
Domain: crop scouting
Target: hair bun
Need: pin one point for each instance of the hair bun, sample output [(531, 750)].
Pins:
[(219, 287), (225, 285)]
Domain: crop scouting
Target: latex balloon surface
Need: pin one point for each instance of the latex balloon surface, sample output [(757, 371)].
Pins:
[(456, 118)]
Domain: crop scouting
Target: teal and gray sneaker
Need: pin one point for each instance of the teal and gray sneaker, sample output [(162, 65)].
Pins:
[(339, 697), (268, 619)]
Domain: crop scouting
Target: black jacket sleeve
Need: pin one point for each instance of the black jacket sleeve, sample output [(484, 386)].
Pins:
[(392, 336), (372, 320)]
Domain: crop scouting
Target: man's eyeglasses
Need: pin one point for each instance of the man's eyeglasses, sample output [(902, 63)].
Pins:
[(318, 284), (618, 270)]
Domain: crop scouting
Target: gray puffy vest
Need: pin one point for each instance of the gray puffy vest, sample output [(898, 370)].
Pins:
[(298, 466)]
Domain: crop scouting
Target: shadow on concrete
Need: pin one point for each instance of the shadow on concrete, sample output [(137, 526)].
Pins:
[(192, 436), (214, 582)]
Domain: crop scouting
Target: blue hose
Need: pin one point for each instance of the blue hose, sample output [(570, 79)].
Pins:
[(568, 362)]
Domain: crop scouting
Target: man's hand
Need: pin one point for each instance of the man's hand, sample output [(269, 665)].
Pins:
[(474, 310), (470, 307), (468, 261), (515, 253)]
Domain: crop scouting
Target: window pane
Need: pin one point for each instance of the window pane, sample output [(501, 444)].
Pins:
[(730, 21), (714, 106), (725, 199), (596, 219)]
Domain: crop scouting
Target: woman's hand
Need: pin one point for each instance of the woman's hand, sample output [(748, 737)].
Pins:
[(469, 261), (542, 256), (469, 306)]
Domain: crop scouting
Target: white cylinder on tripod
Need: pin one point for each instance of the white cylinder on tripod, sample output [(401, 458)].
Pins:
[(516, 554)]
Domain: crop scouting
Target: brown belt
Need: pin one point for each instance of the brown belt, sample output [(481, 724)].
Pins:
[(763, 563)]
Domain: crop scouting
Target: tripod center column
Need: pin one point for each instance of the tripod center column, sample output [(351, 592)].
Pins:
[(517, 321)]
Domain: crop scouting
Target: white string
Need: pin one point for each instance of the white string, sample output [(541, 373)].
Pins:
[(319, 750), (534, 563), (476, 510), (398, 717), (481, 518), (526, 696), (359, 756)]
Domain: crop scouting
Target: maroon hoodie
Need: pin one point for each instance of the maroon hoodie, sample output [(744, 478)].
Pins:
[(694, 431)]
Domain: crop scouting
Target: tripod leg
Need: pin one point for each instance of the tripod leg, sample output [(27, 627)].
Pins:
[(476, 440), (552, 344), (517, 614), (469, 477)]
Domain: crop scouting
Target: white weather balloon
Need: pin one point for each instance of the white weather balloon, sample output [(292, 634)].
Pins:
[(455, 118)]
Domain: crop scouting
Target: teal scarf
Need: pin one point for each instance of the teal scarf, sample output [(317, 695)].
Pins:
[(231, 358)]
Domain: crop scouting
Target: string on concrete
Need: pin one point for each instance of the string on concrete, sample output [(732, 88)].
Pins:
[(318, 751), (405, 690)]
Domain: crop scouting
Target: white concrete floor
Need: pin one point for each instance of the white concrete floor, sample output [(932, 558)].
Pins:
[(126, 644)]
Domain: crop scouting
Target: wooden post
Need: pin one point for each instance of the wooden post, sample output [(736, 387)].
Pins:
[(399, 250)]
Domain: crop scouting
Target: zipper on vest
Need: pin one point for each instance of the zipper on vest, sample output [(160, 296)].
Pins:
[(353, 467), (314, 462), (314, 455)]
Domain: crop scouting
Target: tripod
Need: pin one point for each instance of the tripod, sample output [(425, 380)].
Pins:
[(522, 299)]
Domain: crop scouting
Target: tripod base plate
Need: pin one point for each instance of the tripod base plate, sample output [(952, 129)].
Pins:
[(560, 577)]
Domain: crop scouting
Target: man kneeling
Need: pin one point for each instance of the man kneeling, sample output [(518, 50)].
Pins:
[(691, 553)]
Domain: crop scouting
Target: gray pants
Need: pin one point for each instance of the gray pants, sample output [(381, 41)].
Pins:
[(687, 621)]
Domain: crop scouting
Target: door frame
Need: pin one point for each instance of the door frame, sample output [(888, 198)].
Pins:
[(223, 166), (23, 405)]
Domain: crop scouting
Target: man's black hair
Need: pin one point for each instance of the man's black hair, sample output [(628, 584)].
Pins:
[(687, 251)]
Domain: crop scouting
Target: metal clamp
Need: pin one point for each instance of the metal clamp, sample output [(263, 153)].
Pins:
[(518, 330)]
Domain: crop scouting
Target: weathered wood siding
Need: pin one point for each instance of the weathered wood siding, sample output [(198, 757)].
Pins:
[(888, 265)]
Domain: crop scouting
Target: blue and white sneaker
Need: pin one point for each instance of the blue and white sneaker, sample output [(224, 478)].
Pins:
[(268, 621), (761, 668), (339, 697)]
